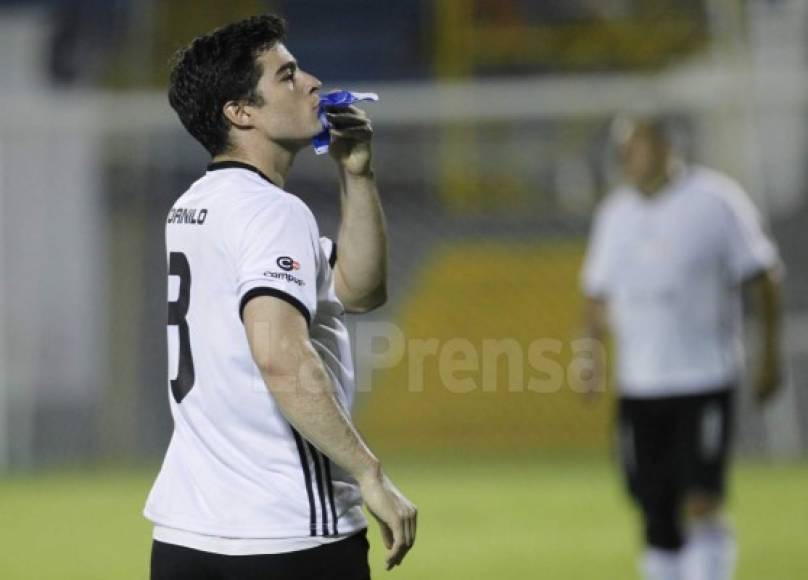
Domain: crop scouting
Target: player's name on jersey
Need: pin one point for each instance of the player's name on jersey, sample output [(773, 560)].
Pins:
[(183, 215)]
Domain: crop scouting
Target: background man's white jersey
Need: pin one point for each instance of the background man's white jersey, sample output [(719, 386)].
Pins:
[(234, 467), (670, 268)]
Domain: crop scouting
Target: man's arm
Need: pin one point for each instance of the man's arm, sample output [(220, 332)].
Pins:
[(295, 376), (361, 268), (596, 331), (764, 292), (599, 270)]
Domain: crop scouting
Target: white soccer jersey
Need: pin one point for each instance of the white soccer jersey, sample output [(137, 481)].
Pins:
[(235, 468), (670, 268)]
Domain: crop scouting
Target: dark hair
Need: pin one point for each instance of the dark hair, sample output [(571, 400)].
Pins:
[(216, 68), (667, 128)]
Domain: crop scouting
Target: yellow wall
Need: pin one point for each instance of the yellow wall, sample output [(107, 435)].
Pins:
[(488, 291)]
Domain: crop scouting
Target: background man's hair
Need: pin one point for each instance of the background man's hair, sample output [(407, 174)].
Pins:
[(672, 129), (216, 68)]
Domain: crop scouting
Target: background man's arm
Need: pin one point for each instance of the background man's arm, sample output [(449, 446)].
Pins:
[(596, 330), (764, 292), (295, 376)]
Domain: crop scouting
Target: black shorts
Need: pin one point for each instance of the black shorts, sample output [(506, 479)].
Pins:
[(673, 446), (343, 560)]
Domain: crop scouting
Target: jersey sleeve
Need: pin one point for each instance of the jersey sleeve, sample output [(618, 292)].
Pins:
[(278, 256), (596, 275), (750, 251)]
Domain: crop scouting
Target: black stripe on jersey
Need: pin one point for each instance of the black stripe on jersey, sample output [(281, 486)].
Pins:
[(274, 292), (332, 259), (330, 483), (238, 165), (318, 474), (304, 463)]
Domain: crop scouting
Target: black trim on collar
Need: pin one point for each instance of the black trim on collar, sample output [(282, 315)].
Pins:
[(238, 165)]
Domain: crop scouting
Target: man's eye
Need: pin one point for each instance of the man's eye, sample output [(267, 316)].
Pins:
[(289, 77)]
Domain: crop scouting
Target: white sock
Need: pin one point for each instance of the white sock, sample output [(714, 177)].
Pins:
[(710, 551), (661, 564)]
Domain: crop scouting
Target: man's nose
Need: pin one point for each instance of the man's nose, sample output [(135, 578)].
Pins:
[(315, 84)]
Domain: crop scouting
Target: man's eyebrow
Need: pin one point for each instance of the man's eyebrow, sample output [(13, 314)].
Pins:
[(289, 66)]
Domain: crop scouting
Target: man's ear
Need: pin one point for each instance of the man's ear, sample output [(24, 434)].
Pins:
[(238, 113)]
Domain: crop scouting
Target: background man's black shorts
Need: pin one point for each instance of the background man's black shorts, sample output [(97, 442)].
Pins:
[(343, 560), (672, 446)]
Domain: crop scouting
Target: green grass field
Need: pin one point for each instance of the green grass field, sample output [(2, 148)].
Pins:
[(548, 519)]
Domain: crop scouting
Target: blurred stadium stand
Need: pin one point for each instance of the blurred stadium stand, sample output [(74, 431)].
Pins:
[(491, 151)]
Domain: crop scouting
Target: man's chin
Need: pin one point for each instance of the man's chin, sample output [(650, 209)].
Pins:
[(316, 130), (307, 140), (302, 141)]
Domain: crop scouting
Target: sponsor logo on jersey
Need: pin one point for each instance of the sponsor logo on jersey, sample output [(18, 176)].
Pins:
[(284, 276), (183, 215), (287, 264)]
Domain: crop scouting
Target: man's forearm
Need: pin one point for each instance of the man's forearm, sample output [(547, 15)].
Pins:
[(595, 332), (770, 315), (307, 399), (362, 243), (595, 326)]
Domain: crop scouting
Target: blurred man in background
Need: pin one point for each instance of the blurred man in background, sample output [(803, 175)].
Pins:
[(264, 382), (668, 258)]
